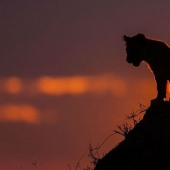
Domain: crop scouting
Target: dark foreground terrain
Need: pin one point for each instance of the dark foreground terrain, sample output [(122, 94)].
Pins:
[(147, 145)]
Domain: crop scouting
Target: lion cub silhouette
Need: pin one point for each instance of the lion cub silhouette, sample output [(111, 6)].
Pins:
[(156, 53)]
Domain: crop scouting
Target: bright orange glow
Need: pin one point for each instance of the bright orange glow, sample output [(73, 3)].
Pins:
[(60, 86), (19, 113), (74, 85), (13, 85), (168, 89), (81, 84), (77, 85)]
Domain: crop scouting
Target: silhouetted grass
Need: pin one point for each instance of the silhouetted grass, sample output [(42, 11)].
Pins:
[(123, 130)]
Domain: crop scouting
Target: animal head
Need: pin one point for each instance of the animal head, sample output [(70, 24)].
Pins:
[(135, 48)]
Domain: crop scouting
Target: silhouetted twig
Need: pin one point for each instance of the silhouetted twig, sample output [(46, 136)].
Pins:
[(93, 152), (78, 163), (69, 166), (35, 164), (123, 129), (98, 147), (88, 168), (134, 114)]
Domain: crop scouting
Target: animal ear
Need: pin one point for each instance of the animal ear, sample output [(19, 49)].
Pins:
[(126, 38), (141, 39)]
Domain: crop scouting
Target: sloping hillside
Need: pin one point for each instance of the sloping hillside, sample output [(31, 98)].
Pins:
[(147, 145)]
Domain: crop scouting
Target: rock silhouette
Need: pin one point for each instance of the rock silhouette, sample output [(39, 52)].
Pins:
[(147, 145)]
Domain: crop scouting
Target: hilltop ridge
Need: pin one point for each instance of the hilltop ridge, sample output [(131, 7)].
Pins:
[(147, 145)]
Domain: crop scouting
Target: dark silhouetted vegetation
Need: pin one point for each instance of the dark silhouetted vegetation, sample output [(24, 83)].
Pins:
[(146, 146), (123, 130)]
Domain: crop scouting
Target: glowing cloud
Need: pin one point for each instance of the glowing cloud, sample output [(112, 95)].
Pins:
[(81, 84), (13, 85), (19, 113), (60, 86), (73, 85)]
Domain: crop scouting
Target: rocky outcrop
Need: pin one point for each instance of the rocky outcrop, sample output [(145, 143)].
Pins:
[(147, 145)]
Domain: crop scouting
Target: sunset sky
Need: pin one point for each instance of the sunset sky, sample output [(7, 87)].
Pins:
[(64, 80)]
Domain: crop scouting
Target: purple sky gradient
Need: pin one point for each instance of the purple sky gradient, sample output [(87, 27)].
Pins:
[(65, 39)]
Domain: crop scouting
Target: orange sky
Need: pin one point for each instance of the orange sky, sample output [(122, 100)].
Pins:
[(64, 81)]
